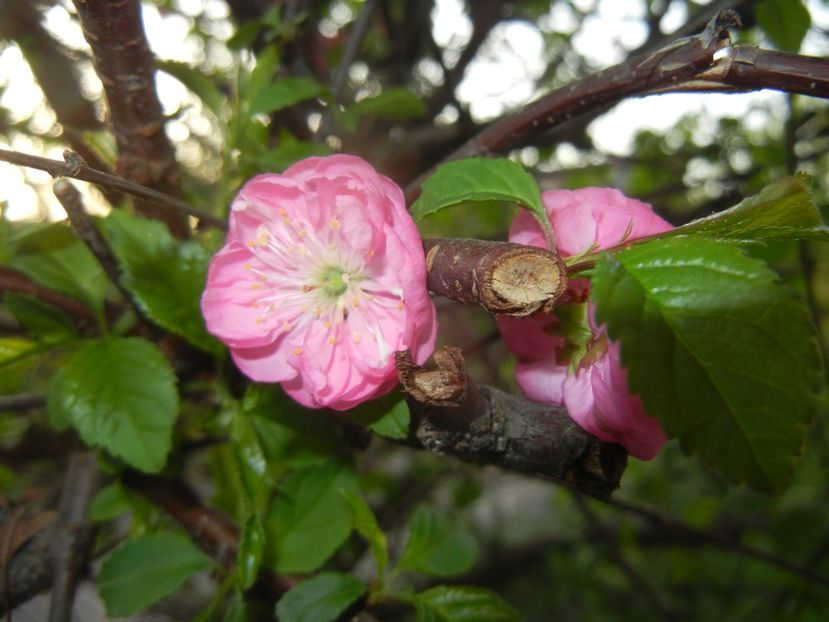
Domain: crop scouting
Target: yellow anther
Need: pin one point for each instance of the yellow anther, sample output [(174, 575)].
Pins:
[(297, 351), (334, 224), (248, 266), (332, 340)]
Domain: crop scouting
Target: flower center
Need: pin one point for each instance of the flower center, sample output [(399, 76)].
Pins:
[(333, 281)]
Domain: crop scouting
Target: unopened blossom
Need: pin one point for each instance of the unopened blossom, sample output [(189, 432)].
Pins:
[(321, 280), (589, 381)]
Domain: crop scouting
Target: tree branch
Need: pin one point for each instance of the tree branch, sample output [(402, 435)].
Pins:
[(502, 277), (76, 168), (126, 66), (453, 415)]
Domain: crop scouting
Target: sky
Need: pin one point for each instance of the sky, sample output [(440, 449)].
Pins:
[(504, 75)]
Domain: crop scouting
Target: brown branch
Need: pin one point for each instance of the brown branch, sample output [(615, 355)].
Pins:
[(88, 232), (12, 280), (502, 277), (453, 415), (25, 564), (22, 401), (126, 66), (216, 534), (72, 533), (76, 168)]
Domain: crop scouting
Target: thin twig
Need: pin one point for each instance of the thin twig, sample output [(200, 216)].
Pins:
[(85, 227), (71, 534), (21, 401), (719, 540), (636, 579), (81, 171)]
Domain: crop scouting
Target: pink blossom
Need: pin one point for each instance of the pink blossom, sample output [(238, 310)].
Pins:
[(322, 278), (591, 383)]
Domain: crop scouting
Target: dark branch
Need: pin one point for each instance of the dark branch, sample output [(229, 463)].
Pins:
[(72, 533), (77, 169), (453, 415), (502, 277)]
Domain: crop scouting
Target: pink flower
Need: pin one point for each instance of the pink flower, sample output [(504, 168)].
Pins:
[(556, 367), (322, 278)]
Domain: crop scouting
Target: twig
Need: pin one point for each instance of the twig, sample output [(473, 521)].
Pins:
[(719, 540), (79, 170), (126, 66), (12, 280), (25, 564), (85, 227), (21, 401), (71, 535), (453, 415), (638, 582), (502, 277), (211, 529)]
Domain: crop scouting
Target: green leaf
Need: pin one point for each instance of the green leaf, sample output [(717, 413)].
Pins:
[(120, 394), (165, 275), (54, 257), (110, 502), (46, 322), (309, 519), (393, 103), (252, 461), (388, 416), (290, 150), (291, 436), (366, 525), (251, 551), (462, 603), (438, 544), (721, 353), (205, 87), (15, 348), (786, 22), (782, 210), (321, 599), (141, 571), (480, 180), (283, 93)]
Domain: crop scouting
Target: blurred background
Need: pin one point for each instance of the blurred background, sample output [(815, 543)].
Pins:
[(402, 83)]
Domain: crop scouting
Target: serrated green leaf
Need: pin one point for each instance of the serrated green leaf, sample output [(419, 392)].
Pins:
[(120, 394), (141, 571), (786, 22), (46, 322), (205, 87), (252, 461), (309, 519), (480, 180), (388, 416), (392, 103), (320, 599), (165, 275), (782, 210), (720, 352), (251, 551), (290, 150), (462, 603), (366, 525), (54, 257), (438, 544), (283, 93)]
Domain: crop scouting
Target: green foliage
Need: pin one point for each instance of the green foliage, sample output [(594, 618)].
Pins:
[(721, 353), (366, 525), (387, 416), (283, 93), (166, 276), (462, 603), (391, 103), (480, 180), (143, 570), (119, 394), (309, 518), (438, 544), (784, 21), (48, 323), (321, 599)]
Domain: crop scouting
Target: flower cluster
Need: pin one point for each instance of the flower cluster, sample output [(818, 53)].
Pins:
[(322, 278), (566, 359)]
